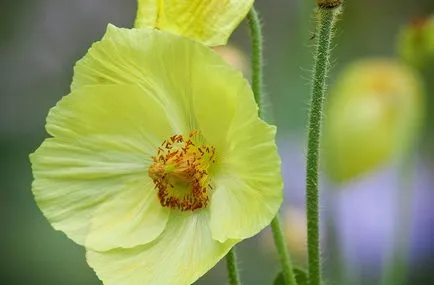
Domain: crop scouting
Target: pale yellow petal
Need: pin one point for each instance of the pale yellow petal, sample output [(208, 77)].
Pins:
[(210, 22), (158, 62), (183, 253), (171, 68), (248, 182), (216, 101), (91, 178), (247, 174)]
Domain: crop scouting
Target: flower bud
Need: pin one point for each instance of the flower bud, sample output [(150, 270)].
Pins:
[(328, 4), (294, 228), (416, 42), (373, 114)]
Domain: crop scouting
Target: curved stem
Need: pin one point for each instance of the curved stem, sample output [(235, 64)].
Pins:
[(326, 21), (256, 56), (279, 241), (257, 87), (231, 262)]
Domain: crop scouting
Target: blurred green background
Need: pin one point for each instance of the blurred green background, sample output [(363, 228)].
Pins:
[(40, 41)]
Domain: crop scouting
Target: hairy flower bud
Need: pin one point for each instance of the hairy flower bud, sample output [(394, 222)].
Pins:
[(416, 42), (328, 4), (373, 115)]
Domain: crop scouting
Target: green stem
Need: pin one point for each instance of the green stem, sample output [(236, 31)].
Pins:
[(256, 57), (231, 261), (257, 87), (326, 21), (279, 240)]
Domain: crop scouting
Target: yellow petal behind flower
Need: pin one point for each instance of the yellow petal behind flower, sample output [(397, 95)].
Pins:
[(182, 254), (210, 22), (91, 178)]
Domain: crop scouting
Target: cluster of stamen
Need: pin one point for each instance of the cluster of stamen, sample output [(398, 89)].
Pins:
[(180, 172)]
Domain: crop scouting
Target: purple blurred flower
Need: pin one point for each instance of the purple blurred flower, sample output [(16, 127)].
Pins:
[(365, 211)]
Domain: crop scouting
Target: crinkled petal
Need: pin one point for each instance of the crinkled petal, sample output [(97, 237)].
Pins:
[(248, 181), (174, 70), (163, 63), (210, 22), (247, 174), (183, 253), (123, 56), (216, 101), (90, 179)]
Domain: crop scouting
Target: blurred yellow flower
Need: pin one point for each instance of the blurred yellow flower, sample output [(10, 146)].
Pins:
[(158, 163), (295, 230), (210, 22), (234, 57), (373, 114)]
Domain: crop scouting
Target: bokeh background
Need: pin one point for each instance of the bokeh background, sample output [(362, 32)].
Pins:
[(40, 40)]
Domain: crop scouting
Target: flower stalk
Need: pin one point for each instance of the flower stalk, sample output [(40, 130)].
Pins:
[(279, 240), (231, 263), (327, 13), (257, 87), (256, 56)]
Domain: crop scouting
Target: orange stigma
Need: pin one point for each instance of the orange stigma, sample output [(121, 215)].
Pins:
[(180, 172)]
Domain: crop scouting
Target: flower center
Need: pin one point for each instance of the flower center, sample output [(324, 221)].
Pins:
[(180, 172)]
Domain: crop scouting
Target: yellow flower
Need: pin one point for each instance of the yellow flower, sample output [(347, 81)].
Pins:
[(158, 163), (210, 22), (374, 113)]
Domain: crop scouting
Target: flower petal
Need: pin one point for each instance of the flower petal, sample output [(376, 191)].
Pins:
[(248, 184), (171, 68), (183, 253), (247, 177), (122, 56), (91, 178), (210, 22), (160, 62), (216, 101)]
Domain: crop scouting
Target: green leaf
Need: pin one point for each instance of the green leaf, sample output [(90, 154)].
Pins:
[(300, 276)]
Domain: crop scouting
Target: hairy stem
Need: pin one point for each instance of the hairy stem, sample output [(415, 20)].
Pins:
[(231, 262), (257, 87), (279, 241), (325, 26), (256, 60)]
